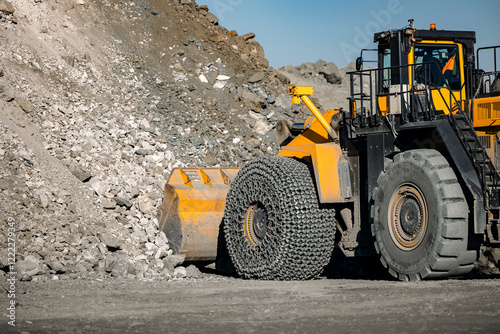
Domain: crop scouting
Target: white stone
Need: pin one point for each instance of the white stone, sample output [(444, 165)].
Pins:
[(99, 187), (44, 200), (179, 76), (203, 78), (140, 257), (155, 158), (161, 242), (223, 77), (219, 84), (262, 127), (180, 272), (151, 247), (144, 123), (161, 253), (147, 146), (169, 155)]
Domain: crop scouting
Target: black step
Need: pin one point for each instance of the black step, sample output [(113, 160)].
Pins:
[(490, 172), (487, 171), (484, 161), (469, 136), (476, 151), (465, 128)]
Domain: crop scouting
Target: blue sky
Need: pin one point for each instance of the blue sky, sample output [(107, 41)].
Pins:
[(293, 32)]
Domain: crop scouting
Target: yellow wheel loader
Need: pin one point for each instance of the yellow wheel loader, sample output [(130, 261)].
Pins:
[(408, 175)]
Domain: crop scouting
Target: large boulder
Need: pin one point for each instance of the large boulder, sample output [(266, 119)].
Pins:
[(330, 72)]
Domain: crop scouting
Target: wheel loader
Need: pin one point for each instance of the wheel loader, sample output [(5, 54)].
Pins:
[(408, 175)]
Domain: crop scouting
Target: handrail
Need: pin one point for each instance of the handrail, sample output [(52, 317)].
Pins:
[(373, 75), (494, 55)]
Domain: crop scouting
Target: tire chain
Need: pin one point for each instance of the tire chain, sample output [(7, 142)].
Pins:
[(300, 236)]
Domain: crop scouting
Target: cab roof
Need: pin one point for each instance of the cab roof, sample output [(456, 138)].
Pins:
[(468, 38)]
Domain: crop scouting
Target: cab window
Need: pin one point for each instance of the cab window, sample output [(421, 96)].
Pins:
[(385, 71), (437, 65)]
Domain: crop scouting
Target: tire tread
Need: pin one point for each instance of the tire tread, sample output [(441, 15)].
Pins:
[(301, 240), (450, 256)]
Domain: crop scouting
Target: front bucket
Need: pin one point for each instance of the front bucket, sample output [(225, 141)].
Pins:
[(192, 210)]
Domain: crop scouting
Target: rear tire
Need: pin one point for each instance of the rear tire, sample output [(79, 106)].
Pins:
[(420, 218), (274, 226)]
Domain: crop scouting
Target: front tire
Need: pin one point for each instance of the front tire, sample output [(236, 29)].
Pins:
[(420, 218), (274, 226)]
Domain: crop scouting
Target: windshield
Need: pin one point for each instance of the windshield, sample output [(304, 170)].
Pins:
[(437, 65)]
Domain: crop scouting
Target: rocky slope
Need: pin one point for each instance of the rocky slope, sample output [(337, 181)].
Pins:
[(99, 101), (331, 84)]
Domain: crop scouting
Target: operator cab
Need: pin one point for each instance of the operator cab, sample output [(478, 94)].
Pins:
[(426, 75), (421, 74)]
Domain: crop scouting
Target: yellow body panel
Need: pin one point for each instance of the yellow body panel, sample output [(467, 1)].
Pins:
[(325, 160), (300, 90), (443, 99), (314, 144), (383, 104), (489, 141), (486, 112)]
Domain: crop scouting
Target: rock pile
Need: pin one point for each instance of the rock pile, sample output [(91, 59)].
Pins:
[(331, 84), (59, 236)]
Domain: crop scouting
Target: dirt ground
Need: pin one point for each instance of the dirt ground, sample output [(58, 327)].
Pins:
[(217, 304)]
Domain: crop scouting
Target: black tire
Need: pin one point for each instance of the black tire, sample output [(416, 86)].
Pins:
[(420, 218), (274, 226)]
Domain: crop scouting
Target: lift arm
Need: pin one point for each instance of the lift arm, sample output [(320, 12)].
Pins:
[(302, 93)]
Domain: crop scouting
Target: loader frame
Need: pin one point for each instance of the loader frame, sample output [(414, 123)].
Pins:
[(382, 123)]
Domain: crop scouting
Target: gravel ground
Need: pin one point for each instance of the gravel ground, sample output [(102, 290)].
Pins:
[(217, 304)]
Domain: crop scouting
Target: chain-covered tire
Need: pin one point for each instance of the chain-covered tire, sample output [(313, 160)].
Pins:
[(274, 226), (419, 218)]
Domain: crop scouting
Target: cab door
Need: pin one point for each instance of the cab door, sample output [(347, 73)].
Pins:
[(439, 66)]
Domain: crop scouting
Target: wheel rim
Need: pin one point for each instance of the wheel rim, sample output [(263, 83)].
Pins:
[(255, 223), (408, 216)]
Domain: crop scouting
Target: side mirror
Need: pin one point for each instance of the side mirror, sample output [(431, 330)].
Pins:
[(359, 64)]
